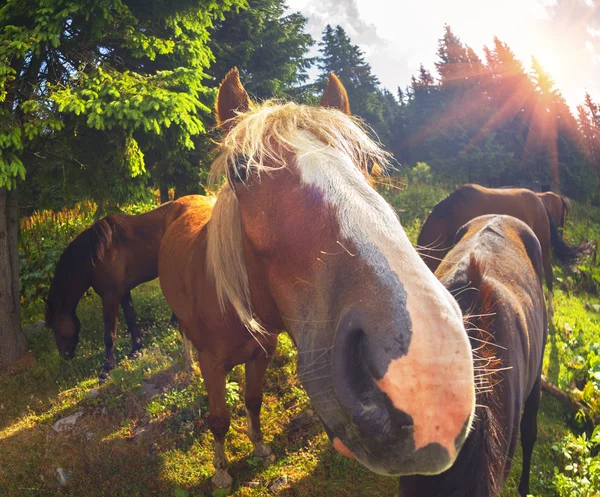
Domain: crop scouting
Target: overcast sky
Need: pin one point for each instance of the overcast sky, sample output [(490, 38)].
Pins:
[(396, 36)]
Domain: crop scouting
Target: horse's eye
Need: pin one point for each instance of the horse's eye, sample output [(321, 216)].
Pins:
[(370, 165), (238, 171)]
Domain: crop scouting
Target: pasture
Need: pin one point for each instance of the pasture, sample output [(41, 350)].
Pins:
[(143, 432)]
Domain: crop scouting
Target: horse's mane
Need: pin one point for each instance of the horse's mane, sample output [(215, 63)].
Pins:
[(486, 432), (87, 249), (261, 140)]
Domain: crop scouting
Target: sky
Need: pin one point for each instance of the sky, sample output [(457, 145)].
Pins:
[(396, 36)]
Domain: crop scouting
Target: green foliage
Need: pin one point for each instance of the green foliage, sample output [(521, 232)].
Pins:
[(232, 393), (268, 46), (579, 475), (413, 203), (421, 173), (111, 87)]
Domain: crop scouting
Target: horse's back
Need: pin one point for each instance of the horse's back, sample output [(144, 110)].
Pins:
[(470, 201)]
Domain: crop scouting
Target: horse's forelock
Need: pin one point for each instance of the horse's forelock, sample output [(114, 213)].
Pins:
[(266, 134)]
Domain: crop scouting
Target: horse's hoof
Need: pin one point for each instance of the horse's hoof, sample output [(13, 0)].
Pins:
[(134, 354), (105, 375), (222, 479), (261, 449)]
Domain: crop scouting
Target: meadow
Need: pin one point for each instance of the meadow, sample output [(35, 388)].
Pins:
[(143, 432)]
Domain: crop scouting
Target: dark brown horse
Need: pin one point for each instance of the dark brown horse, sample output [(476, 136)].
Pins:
[(470, 201), (557, 205), (299, 240), (495, 272), (113, 256)]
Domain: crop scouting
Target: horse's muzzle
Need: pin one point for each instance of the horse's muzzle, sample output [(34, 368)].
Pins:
[(381, 436)]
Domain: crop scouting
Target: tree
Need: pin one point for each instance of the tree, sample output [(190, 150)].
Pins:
[(268, 47), (100, 86)]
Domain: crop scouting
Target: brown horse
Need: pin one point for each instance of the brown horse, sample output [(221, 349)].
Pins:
[(299, 240), (495, 272), (113, 256), (557, 205), (470, 201)]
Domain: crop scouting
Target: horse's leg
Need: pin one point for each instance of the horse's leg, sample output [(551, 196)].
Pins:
[(130, 319), (255, 374), (110, 312), (529, 434), (549, 277), (215, 375), (188, 353)]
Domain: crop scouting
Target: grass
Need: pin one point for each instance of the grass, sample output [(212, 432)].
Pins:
[(129, 443)]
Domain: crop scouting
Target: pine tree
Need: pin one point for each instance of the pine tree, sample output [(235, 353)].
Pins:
[(268, 47)]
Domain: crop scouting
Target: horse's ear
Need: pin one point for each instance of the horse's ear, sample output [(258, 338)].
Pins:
[(335, 95), (232, 99)]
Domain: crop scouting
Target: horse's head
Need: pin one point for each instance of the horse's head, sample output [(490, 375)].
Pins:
[(382, 350), (66, 327)]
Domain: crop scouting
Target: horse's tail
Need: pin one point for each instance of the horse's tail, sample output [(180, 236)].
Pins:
[(566, 253), (563, 213), (100, 238)]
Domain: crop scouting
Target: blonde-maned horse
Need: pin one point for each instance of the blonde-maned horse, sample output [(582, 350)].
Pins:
[(298, 240)]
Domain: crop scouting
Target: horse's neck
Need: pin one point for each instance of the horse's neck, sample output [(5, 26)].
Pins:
[(72, 291)]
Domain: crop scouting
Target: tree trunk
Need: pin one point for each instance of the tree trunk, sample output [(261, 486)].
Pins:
[(13, 344), (164, 193)]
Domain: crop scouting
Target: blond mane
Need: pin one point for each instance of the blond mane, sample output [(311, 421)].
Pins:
[(264, 137)]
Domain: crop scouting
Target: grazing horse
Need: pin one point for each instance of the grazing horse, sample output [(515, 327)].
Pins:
[(298, 240), (495, 272), (557, 205), (113, 256), (470, 201)]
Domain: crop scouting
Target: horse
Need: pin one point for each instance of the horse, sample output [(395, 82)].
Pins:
[(113, 256), (470, 201), (557, 205), (495, 272), (299, 240)]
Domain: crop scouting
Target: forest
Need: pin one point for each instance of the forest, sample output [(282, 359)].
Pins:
[(106, 106)]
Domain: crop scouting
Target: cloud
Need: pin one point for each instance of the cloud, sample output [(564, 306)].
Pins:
[(347, 14)]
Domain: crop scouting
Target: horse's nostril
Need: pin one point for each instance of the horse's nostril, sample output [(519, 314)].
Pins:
[(355, 376)]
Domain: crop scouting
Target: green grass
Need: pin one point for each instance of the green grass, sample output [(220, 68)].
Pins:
[(161, 446)]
